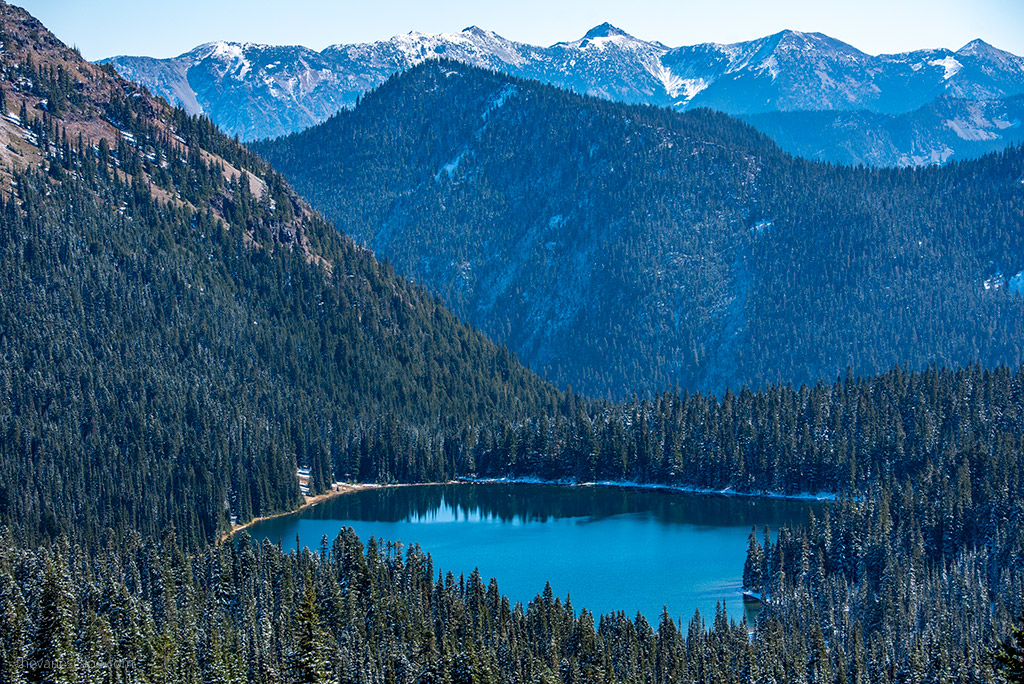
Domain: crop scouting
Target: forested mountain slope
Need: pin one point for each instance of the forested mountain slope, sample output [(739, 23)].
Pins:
[(178, 329), (616, 248)]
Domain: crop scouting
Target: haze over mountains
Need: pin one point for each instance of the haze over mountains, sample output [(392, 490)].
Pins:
[(616, 247), (259, 91), (946, 128)]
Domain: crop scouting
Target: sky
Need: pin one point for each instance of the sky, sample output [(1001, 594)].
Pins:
[(104, 28)]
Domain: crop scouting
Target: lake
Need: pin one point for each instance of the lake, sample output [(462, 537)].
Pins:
[(607, 548)]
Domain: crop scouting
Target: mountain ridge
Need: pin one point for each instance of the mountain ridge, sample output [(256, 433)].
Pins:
[(944, 130), (289, 88), (628, 247)]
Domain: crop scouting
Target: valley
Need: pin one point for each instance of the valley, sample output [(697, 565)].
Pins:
[(189, 345)]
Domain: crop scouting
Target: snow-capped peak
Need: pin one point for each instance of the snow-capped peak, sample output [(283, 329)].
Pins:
[(226, 49), (991, 56), (473, 45), (479, 32), (808, 71), (230, 54), (977, 48), (605, 35), (606, 30), (813, 43)]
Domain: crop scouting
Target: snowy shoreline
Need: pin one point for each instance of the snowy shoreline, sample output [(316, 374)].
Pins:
[(342, 488), (628, 484)]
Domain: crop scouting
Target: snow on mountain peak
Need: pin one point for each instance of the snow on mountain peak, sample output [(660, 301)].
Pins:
[(991, 57), (817, 44), (472, 44), (605, 35), (606, 30), (786, 40), (977, 48), (807, 71), (231, 55), (949, 64)]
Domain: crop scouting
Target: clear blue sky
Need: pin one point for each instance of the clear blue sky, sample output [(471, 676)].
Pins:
[(103, 28)]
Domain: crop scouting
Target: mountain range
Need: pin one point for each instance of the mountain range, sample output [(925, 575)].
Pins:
[(616, 247), (260, 91), (182, 336), (943, 130)]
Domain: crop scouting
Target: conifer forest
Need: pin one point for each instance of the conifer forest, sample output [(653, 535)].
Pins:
[(181, 332)]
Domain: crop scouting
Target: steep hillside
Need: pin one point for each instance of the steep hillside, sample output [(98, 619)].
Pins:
[(176, 325), (179, 331), (259, 91), (616, 248)]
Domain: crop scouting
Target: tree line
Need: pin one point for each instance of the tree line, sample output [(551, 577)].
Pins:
[(180, 332)]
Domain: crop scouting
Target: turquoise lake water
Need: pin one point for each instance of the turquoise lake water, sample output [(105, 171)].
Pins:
[(609, 549)]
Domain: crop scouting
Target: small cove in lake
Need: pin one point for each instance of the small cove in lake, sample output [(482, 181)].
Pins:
[(608, 548)]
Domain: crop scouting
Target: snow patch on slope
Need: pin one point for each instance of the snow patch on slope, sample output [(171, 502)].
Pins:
[(604, 42), (689, 87), (949, 64), (450, 168), (771, 65), (499, 100), (969, 130), (996, 281), (676, 86)]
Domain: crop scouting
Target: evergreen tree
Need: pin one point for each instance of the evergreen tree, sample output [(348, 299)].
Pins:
[(754, 564), (311, 660), (1009, 656), (52, 657)]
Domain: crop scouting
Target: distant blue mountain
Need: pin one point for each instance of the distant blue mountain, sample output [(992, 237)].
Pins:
[(946, 129), (259, 91)]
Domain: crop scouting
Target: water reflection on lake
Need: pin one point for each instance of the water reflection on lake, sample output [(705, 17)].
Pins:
[(609, 549)]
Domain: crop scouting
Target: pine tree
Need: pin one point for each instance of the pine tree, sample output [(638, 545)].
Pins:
[(311, 662), (1010, 656), (754, 564), (53, 659)]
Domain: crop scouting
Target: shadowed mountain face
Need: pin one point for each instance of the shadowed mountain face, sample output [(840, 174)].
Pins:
[(944, 130), (259, 91), (616, 247)]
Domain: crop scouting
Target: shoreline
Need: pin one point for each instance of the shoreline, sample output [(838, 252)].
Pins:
[(337, 489), (681, 489), (343, 488)]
